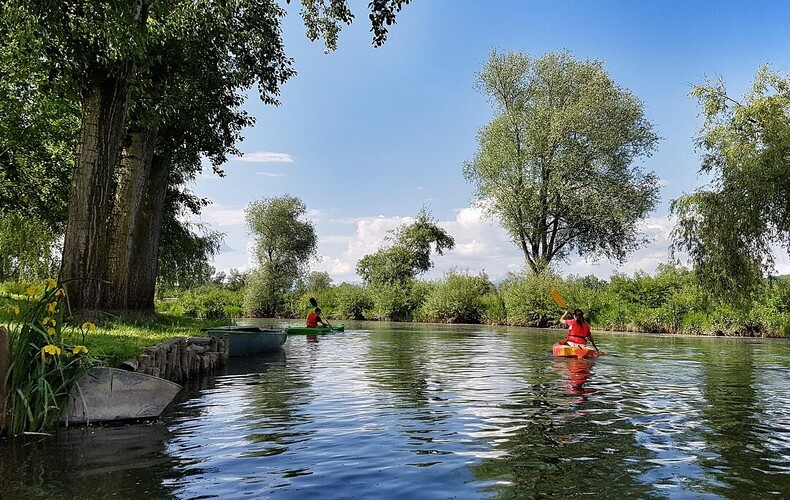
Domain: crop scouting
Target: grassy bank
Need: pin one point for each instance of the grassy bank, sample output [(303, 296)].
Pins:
[(670, 301)]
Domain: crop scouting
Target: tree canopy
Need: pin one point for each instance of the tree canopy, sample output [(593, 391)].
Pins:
[(410, 254), (729, 227), (556, 166), (149, 88), (285, 244)]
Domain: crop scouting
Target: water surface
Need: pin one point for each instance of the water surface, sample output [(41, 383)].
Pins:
[(431, 411)]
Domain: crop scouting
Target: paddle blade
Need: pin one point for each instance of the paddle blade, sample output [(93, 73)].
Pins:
[(313, 302), (558, 299)]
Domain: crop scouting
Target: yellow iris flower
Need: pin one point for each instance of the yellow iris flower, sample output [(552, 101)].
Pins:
[(89, 326), (52, 307), (31, 290), (50, 349), (49, 321), (49, 283), (51, 331), (80, 349)]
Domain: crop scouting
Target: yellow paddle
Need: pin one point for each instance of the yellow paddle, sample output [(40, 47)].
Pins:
[(558, 299)]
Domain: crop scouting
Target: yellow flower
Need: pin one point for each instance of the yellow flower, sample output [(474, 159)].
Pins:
[(89, 326), (50, 349), (51, 331), (52, 307), (59, 293), (13, 309), (49, 321), (80, 349), (31, 290), (49, 283)]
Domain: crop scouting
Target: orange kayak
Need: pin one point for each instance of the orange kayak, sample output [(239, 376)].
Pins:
[(569, 351)]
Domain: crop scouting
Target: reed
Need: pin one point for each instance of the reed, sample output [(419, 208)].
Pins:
[(44, 364)]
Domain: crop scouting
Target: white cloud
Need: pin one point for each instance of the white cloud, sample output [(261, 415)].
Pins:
[(265, 157), (219, 216), (269, 174), (480, 245)]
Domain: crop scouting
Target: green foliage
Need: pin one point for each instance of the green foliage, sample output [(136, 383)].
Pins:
[(556, 165), (28, 248), (410, 254), (318, 280), (209, 302), (388, 266), (284, 242), (351, 301), (264, 296), (185, 254), (45, 362), (729, 228), (458, 298), (391, 302), (527, 299)]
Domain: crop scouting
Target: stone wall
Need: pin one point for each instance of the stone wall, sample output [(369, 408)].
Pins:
[(182, 358)]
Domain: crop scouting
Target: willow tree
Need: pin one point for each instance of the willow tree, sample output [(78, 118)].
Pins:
[(730, 227), (556, 166), (391, 271), (285, 243), (128, 63)]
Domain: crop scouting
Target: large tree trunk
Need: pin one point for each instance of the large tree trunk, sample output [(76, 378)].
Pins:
[(90, 202), (87, 243), (144, 259), (132, 177)]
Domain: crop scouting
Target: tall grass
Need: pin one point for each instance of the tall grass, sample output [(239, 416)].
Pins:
[(44, 362)]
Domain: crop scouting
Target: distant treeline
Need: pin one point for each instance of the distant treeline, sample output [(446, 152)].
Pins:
[(668, 302)]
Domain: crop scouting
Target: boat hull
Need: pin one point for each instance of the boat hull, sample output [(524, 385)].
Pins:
[(105, 394), (569, 351), (306, 330), (244, 340)]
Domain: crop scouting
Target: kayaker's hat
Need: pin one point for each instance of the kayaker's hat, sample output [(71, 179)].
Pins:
[(318, 309)]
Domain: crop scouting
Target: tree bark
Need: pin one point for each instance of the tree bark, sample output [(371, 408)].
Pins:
[(145, 257), (132, 177), (90, 203)]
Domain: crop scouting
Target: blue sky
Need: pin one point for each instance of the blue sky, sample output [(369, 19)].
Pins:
[(367, 136)]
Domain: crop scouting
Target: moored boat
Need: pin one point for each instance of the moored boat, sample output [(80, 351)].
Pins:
[(105, 394), (250, 339), (306, 330)]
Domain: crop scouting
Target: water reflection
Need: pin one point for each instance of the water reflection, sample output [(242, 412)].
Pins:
[(126, 461), (427, 411)]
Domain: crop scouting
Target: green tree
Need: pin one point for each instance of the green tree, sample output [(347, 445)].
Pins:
[(410, 254), (318, 280), (728, 227), (556, 165), (148, 76), (284, 246), (391, 272)]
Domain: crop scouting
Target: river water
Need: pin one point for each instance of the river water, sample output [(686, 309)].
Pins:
[(432, 411)]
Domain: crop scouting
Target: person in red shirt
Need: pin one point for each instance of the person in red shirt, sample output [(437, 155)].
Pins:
[(314, 319), (578, 329)]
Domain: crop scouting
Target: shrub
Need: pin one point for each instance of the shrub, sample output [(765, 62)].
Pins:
[(456, 299), (351, 301), (528, 299), (209, 302)]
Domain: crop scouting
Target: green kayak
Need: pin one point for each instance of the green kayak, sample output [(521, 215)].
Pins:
[(306, 330)]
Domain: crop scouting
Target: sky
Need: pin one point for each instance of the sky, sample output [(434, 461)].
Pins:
[(366, 136)]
